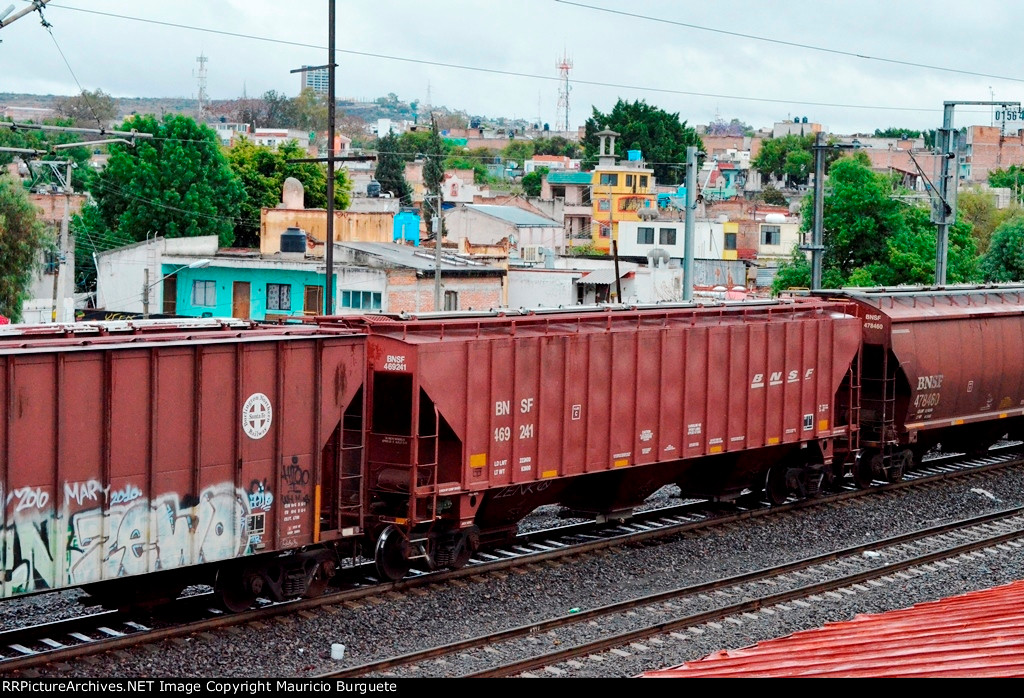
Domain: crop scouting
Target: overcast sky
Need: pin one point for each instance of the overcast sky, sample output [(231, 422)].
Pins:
[(508, 51)]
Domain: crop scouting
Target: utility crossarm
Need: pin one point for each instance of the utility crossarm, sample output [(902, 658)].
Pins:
[(15, 125)]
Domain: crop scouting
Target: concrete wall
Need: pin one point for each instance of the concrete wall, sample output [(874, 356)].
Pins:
[(541, 288), (121, 273), (708, 240), (349, 226)]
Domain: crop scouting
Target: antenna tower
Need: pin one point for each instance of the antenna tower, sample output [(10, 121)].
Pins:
[(564, 66), (200, 75)]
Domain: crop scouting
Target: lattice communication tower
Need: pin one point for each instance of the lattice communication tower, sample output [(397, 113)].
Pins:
[(564, 66), (200, 75)]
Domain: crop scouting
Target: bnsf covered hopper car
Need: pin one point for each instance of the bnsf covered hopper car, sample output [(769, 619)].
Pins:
[(208, 451), (473, 422), (939, 366)]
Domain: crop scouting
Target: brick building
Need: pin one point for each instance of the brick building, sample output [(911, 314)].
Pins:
[(988, 149)]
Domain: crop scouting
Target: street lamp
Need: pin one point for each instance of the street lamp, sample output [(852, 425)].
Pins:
[(147, 286)]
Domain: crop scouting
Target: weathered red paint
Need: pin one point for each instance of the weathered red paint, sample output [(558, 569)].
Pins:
[(976, 635), (126, 449)]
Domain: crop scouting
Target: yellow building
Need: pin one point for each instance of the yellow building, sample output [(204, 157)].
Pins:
[(619, 192)]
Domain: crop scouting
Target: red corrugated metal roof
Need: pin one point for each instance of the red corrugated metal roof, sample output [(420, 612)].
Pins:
[(980, 634)]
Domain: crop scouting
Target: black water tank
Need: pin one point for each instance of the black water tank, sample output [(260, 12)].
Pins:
[(373, 189), (293, 240)]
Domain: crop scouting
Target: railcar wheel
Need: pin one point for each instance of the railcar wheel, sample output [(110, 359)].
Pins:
[(901, 463), (237, 589), (863, 473), (389, 555), (467, 546), (775, 487), (321, 579)]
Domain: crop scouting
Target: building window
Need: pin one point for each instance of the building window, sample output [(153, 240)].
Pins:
[(667, 236), (604, 205), (279, 297), (451, 300), (645, 236), (605, 230), (643, 181), (771, 235), (629, 180), (730, 241), (204, 293), (610, 180), (360, 300), (633, 203), (585, 197)]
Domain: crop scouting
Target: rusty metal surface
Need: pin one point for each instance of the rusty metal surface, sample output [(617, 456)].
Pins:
[(539, 397), (958, 348), (971, 636), (139, 449)]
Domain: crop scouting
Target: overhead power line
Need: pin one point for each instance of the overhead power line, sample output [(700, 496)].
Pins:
[(496, 71), (794, 44)]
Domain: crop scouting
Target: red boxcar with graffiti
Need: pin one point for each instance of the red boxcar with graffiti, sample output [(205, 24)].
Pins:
[(185, 451)]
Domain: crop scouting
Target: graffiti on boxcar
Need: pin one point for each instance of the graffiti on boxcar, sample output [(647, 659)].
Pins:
[(93, 490), (260, 496), (27, 498), (46, 547)]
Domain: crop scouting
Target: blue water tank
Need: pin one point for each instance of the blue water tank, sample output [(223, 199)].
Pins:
[(633, 155), (293, 240)]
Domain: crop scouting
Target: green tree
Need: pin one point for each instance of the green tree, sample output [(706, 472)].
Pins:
[(87, 109), (907, 134), (978, 208), (309, 111), (872, 238), (771, 195), (660, 136), (476, 159), (391, 169), (22, 237), (794, 272), (532, 182), (1004, 260), (789, 159), (518, 152), (433, 173), (177, 184), (557, 145), (413, 144), (1010, 178), (798, 166), (262, 172)]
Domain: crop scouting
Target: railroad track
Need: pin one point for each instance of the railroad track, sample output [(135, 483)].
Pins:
[(829, 572), (95, 633)]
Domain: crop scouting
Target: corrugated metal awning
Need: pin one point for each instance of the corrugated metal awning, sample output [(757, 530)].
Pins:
[(980, 634), (601, 277)]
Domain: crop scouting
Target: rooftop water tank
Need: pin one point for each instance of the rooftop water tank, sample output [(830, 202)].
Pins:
[(373, 189), (293, 240), (633, 155), (775, 218)]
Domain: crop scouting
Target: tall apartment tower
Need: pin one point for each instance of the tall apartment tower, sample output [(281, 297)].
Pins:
[(316, 78)]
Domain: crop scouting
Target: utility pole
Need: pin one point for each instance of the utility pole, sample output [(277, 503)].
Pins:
[(33, 6), (944, 210), (329, 300), (145, 292), (691, 204), (437, 227), (817, 236), (62, 241)]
